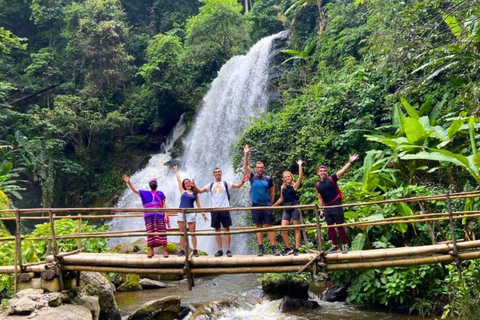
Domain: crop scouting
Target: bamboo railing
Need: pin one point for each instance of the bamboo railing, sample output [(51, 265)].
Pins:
[(188, 266)]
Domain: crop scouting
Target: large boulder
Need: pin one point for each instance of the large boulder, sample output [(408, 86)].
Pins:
[(89, 302), (278, 285), (291, 304), (23, 305), (162, 309), (95, 284), (152, 284), (335, 293), (64, 312), (131, 283)]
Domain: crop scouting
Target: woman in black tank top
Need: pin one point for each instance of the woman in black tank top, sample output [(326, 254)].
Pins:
[(288, 195)]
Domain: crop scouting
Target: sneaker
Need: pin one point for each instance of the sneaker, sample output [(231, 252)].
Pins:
[(275, 251), (219, 253), (296, 252), (195, 253), (260, 251), (181, 253), (229, 253), (344, 248), (287, 251), (333, 250)]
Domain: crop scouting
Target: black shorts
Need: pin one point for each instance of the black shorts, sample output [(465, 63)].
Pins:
[(334, 215), (262, 215), (221, 218), (291, 214)]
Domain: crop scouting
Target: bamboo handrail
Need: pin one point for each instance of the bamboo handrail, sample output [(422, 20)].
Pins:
[(458, 195), (204, 265), (387, 221)]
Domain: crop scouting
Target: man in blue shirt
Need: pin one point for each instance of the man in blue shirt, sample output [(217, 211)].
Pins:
[(263, 195)]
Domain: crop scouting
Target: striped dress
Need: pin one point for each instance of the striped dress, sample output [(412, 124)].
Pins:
[(154, 221)]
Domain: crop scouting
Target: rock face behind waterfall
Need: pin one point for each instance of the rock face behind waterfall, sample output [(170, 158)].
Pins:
[(240, 92)]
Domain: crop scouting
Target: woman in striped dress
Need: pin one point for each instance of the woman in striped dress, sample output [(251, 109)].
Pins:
[(154, 221)]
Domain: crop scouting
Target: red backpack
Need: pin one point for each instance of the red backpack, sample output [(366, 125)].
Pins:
[(339, 192)]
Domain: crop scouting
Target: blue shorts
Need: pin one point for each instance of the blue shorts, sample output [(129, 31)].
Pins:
[(262, 216)]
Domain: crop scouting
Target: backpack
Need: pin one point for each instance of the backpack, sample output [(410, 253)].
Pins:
[(226, 189), (339, 192)]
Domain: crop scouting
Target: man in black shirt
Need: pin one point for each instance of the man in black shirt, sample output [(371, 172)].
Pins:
[(330, 195)]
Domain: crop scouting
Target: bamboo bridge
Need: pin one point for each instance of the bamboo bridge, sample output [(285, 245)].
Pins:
[(314, 260)]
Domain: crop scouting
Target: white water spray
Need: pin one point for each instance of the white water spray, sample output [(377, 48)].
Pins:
[(237, 94)]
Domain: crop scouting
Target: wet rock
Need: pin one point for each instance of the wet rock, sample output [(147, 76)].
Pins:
[(89, 302), (284, 284), (131, 283), (162, 309), (152, 284), (95, 284), (211, 310), (184, 311), (33, 294), (64, 312), (335, 293), (22, 306), (291, 304)]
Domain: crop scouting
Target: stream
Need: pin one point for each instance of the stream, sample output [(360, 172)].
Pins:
[(243, 295)]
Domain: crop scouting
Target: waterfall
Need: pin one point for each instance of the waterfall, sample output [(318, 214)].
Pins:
[(238, 94)]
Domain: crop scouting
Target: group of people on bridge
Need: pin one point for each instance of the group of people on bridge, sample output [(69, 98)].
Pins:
[(262, 195)]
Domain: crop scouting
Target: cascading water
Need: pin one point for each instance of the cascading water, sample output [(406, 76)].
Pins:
[(237, 94)]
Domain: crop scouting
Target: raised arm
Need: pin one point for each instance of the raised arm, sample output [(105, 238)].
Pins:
[(179, 179), (241, 183), (129, 184), (300, 175), (196, 189), (351, 160), (246, 151)]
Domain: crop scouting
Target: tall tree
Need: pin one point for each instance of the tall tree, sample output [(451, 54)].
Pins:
[(97, 34), (217, 33)]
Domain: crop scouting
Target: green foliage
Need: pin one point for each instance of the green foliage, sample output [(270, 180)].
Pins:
[(64, 227), (217, 33), (463, 294), (417, 288), (9, 41), (96, 33), (267, 19), (35, 251)]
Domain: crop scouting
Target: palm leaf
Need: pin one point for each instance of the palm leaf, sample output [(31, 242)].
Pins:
[(410, 110), (358, 242), (414, 131)]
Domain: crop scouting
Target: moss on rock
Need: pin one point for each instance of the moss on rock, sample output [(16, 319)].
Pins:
[(279, 285), (130, 283)]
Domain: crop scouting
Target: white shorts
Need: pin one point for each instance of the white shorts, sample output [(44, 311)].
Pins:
[(191, 217)]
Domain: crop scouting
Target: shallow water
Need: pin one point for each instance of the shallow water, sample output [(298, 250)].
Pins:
[(245, 292)]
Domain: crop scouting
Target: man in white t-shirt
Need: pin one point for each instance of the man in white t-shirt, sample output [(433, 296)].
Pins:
[(220, 199)]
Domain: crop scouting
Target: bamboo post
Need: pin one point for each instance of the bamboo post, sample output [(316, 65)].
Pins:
[(319, 229), (187, 252), (79, 246), (79, 230), (454, 238), (429, 224), (304, 233), (55, 249), (18, 251)]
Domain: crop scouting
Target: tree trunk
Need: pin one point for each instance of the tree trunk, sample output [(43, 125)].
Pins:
[(322, 23)]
